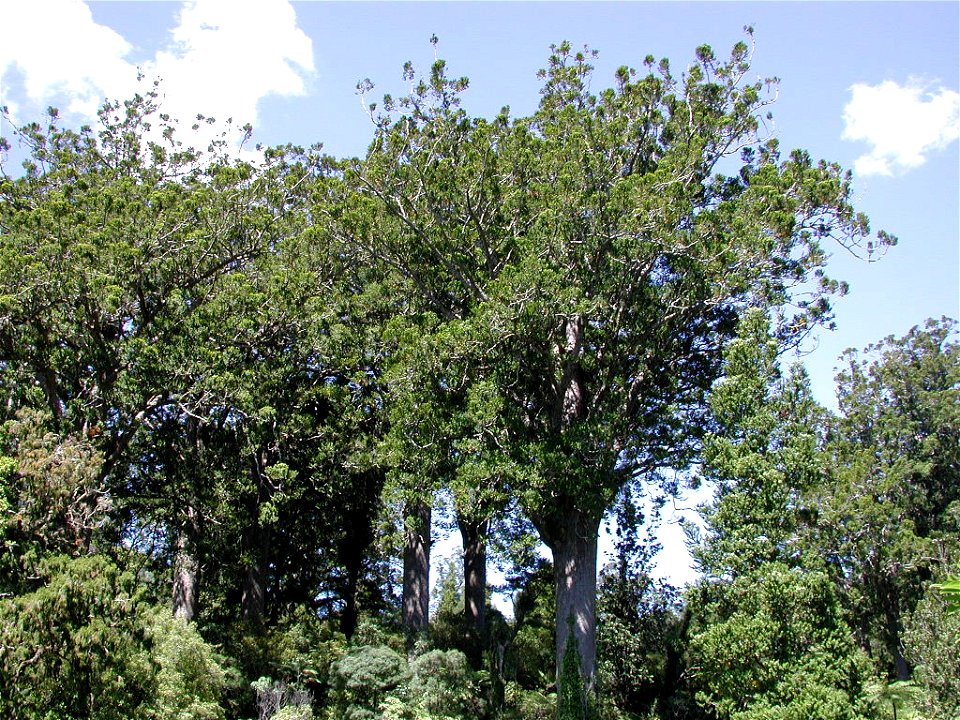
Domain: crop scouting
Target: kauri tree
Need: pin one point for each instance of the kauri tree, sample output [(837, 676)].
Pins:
[(594, 259)]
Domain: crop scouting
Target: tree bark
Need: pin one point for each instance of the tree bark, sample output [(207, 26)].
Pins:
[(354, 544), (900, 665), (569, 526), (185, 584), (571, 535), (416, 567), (474, 574), (253, 599), (186, 571)]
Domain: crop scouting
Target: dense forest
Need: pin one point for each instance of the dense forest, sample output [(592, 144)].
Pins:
[(241, 393)]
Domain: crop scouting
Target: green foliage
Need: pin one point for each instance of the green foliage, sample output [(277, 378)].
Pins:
[(950, 589), (530, 654), (638, 621), (189, 674), (293, 712), (297, 652), (900, 700), (362, 678), (774, 643), (56, 500), (932, 644), (77, 646), (890, 508), (572, 701), (443, 685), (764, 457), (524, 704), (372, 681)]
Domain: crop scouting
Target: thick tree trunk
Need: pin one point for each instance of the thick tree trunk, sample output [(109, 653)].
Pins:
[(253, 599), (416, 567), (474, 574), (186, 570), (185, 587), (568, 526), (354, 544), (571, 535), (900, 665)]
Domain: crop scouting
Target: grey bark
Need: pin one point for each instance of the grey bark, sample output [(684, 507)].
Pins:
[(186, 570), (416, 567), (475, 574), (567, 527), (185, 582), (573, 542)]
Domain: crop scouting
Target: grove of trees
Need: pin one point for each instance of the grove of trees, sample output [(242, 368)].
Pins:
[(236, 394)]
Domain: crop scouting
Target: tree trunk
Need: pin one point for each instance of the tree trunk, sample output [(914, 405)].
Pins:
[(185, 588), (900, 665), (571, 535), (351, 613), (253, 600), (186, 570), (354, 544), (416, 567), (474, 574), (569, 527)]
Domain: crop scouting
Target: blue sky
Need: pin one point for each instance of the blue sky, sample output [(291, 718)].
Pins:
[(871, 85)]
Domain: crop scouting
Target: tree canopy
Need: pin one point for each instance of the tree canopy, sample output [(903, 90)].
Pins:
[(235, 392)]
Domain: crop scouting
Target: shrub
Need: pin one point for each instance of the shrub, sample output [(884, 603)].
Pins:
[(443, 684), (361, 679), (77, 646), (776, 646), (190, 676), (932, 643), (279, 701)]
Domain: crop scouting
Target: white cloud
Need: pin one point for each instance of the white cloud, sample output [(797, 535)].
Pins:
[(221, 59), (71, 58), (902, 123), (224, 58)]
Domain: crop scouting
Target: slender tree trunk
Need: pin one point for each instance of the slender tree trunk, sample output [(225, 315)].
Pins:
[(474, 574), (416, 567), (186, 571), (571, 535)]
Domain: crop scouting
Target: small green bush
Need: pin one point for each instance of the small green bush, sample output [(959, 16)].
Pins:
[(190, 676), (524, 704), (443, 684), (76, 646), (361, 679)]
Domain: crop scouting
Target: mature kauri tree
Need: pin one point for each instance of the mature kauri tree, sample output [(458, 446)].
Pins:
[(594, 260)]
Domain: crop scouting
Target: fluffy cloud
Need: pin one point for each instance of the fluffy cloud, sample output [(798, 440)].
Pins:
[(223, 59), (72, 57), (902, 123), (220, 60)]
